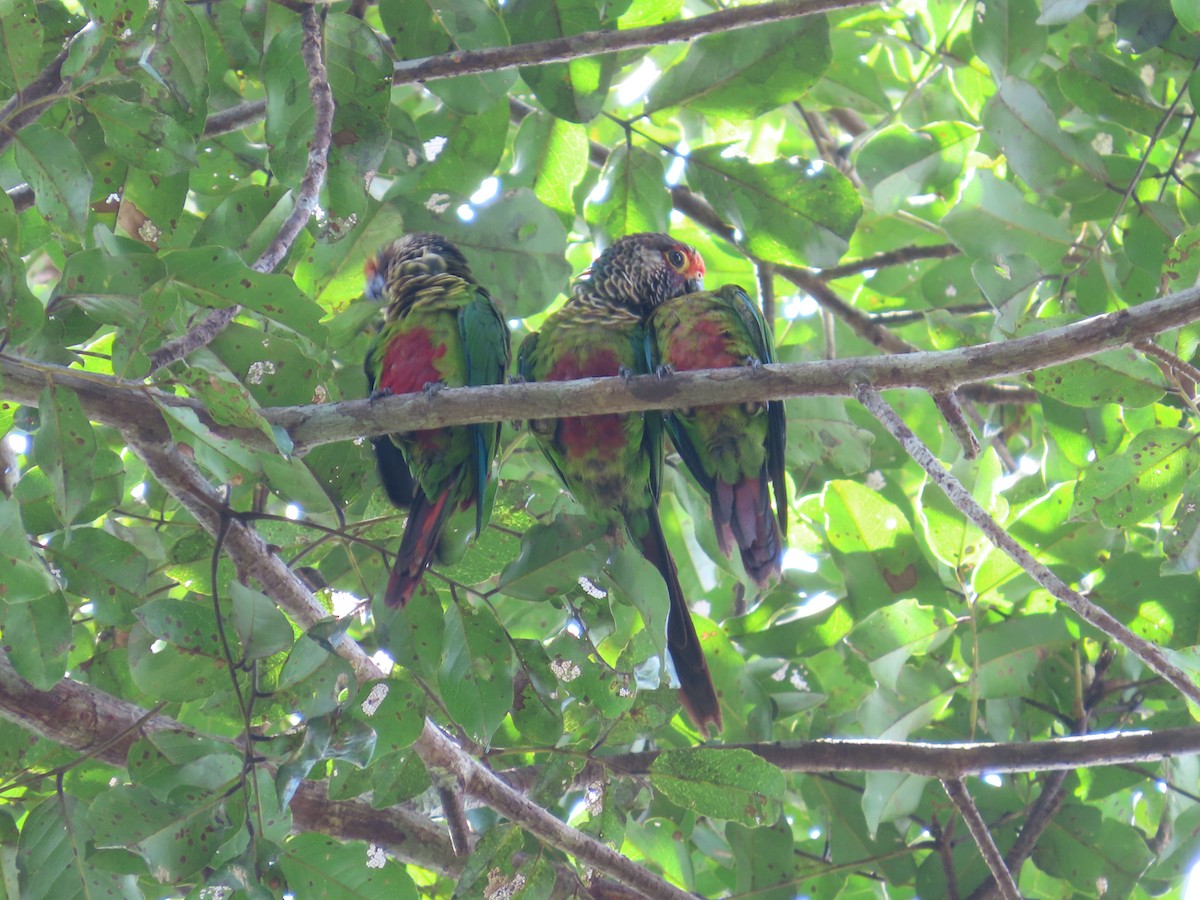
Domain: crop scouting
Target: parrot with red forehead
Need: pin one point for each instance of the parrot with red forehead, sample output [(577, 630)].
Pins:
[(439, 328), (612, 463), (735, 450)]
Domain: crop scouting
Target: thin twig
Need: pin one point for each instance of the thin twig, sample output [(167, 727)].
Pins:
[(594, 43), (1147, 651), (956, 790), (1037, 819), (899, 257), (306, 197)]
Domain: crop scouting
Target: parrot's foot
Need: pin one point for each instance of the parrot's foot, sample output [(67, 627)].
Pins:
[(515, 379), (379, 394), (433, 388), (754, 363), (626, 372), (666, 370)]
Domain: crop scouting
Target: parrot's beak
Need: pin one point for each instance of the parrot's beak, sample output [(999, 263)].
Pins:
[(375, 282)]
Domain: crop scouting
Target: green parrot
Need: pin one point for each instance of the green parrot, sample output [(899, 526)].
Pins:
[(440, 328), (734, 450), (612, 463)]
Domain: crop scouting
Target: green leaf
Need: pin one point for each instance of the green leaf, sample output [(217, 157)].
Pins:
[(537, 711), (1008, 37), (1106, 89), (1187, 14), (176, 838), (875, 543), (951, 537), (175, 66), (1039, 150), (103, 569), (994, 219), (173, 674), (764, 860), (62, 186), (109, 288), (1084, 847), (574, 91), (20, 44), (1143, 480), (394, 708), (37, 637), (490, 861), (743, 73), (141, 136), (314, 678), (722, 784), (550, 156), (26, 575), (897, 163), (889, 796), (188, 624), (261, 627), (318, 867), (216, 277), (64, 447), (1111, 377), (788, 211), (1182, 545), (54, 860), (634, 198), (475, 678), (549, 554), (887, 638), (1011, 651), (425, 29)]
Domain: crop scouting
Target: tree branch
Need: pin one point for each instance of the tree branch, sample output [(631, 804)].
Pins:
[(594, 43), (30, 101), (306, 197), (253, 559), (957, 792), (1149, 653), (123, 404)]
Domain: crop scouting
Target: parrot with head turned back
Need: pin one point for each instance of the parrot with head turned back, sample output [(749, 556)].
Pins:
[(439, 328), (612, 463), (735, 450)]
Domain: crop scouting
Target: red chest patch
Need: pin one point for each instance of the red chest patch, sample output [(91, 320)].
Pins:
[(587, 435), (703, 345), (598, 364), (409, 362)]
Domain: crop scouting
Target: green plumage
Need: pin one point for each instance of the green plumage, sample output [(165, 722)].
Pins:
[(440, 328), (612, 463), (734, 451)]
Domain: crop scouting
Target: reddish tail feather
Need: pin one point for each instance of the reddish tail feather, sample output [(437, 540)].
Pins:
[(742, 513), (421, 535)]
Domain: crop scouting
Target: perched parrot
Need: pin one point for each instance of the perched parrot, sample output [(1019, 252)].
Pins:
[(734, 450), (612, 463), (440, 328)]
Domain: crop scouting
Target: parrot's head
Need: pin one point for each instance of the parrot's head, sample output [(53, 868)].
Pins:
[(419, 253), (640, 271)]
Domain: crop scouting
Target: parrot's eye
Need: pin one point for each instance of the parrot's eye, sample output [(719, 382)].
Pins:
[(675, 258)]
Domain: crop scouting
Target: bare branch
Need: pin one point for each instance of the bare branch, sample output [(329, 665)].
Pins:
[(235, 117), (594, 43), (125, 404), (957, 792), (1149, 653), (306, 197)]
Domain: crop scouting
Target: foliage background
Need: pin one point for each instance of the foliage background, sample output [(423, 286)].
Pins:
[(182, 645)]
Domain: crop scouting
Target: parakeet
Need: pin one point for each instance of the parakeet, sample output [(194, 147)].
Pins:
[(439, 328), (734, 450), (612, 463)]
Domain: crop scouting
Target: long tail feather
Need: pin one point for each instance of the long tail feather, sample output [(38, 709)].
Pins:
[(695, 683), (745, 510), (421, 535)]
